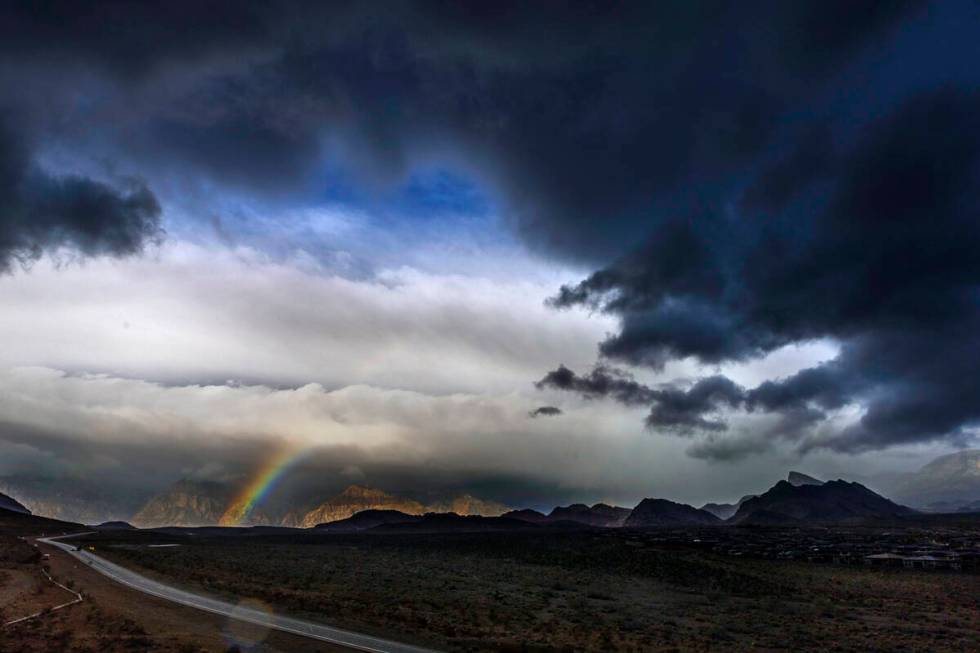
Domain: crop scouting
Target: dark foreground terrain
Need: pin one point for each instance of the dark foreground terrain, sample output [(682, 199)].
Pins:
[(111, 618), (590, 590)]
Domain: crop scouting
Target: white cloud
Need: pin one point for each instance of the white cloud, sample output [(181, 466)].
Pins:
[(486, 433), (595, 450), (414, 369), (188, 313)]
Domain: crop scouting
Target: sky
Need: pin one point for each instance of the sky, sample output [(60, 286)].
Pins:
[(535, 252)]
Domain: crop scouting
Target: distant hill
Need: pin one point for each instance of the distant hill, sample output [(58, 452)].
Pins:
[(115, 526), (368, 519), (947, 484), (799, 478), (218, 531), (11, 504), (600, 514), (453, 523), (833, 501), (953, 506), (661, 513), (726, 510), (527, 515), (21, 523)]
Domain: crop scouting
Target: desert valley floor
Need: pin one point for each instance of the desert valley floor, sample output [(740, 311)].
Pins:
[(535, 590)]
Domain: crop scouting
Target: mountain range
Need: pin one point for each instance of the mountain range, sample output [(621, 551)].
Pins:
[(726, 510), (357, 508), (204, 503), (599, 514), (186, 503), (833, 501), (74, 499), (950, 483), (661, 513), (351, 500), (800, 499), (356, 498)]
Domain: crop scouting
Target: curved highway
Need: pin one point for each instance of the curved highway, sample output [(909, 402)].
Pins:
[(356, 641)]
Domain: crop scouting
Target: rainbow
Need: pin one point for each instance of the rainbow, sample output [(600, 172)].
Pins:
[(264, 481)]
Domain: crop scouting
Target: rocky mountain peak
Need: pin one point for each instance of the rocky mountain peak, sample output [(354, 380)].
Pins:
[(467, 504), (833, 501), (11, 504), (799, 478), (362, 492), (661, 513)]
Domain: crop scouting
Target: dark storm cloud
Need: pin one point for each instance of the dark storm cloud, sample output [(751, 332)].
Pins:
[(685, 410), (727, 449), (824, 386), (140, 463), (674, 407), (884, 262), (742, 176), (810, 160), (129, 39), (41, 212), (545, 411), (584, 119), (600, 382)]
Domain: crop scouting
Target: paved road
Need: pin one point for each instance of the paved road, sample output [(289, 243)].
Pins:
[(300, 627)]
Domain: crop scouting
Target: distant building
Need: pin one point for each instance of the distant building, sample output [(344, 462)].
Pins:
[(942, 560), (884, 560)]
